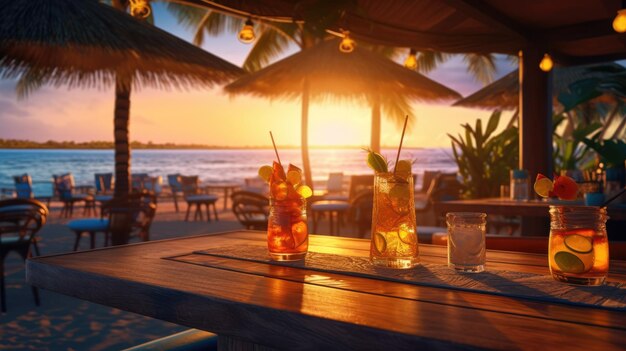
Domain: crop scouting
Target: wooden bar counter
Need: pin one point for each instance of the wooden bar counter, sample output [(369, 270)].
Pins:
[(255, 305)]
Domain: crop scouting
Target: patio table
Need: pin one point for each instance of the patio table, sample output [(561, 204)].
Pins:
[(251, 303), (506, 207), (227, 188)]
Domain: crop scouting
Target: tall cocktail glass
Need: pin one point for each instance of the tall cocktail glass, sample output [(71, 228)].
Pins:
[(287, 232), (579, 248), (394, 236)]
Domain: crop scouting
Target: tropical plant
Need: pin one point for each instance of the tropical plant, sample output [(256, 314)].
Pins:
[(570, 152), (610, 152), (484, 160)]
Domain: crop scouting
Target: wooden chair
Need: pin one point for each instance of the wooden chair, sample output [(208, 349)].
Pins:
[(65, 189), (194, 197), (24, 189), (339, 209), (360, 212), (177, 189), (20, 220), (251, 209), (334, 187), (444, 187), (359, 183), (429, 176), (137, 209), (104, 187)]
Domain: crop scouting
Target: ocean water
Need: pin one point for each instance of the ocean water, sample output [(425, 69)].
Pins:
[(209, 165)]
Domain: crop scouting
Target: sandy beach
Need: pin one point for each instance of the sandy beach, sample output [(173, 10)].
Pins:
[(66, 323)]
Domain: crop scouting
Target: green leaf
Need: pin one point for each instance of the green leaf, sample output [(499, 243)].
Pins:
[(494, 120), (579, 92)]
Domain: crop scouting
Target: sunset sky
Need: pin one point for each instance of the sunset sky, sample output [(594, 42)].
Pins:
[(212, 117)]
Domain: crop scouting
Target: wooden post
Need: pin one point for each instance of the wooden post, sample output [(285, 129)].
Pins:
[(535, 126), (535, 107)]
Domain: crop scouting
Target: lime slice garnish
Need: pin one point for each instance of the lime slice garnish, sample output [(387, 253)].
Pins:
[(407, 235), (578, 243), (569, 263), (400, 192), (403, 167), (294, 177), (304, 191), (543, 187), (265, 172), (380, 244)]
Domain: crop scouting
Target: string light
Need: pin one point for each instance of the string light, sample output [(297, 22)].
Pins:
[(246, 34), (347, 45), (140, 8), (619, 23), (411, 60), (546, 63)]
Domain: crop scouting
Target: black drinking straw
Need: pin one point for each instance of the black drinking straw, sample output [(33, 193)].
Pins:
[(275, 149), (406, 119), (607, 202)]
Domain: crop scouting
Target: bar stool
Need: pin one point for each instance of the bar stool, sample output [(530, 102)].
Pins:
[(334, 209)]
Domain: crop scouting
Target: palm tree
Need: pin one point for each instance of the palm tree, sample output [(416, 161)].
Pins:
[(274, 39), (30, 81), (90, 44)]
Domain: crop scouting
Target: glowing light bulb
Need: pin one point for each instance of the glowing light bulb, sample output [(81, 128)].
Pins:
[(619, 23), (246, 34), (546, 63), (411, 61), (140, 8), (347, 45)]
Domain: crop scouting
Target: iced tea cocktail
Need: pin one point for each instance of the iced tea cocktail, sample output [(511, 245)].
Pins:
[(287, 232), (394, 236), (578, 248)]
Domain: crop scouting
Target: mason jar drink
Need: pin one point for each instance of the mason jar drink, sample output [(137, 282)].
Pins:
[(394, 235), (578, 248)]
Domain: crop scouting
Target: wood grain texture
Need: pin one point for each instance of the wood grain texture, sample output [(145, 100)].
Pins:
[(288, 308)]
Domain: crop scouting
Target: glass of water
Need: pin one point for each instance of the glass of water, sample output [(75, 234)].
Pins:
[(466, 241)]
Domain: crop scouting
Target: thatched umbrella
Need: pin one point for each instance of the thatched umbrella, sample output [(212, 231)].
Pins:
[(504, 92), (322, 72), (82, 43)]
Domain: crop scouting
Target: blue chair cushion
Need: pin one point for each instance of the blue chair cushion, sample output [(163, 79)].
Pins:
[(189, 340), (103, 198), (201, 198), (89, 225), (7, 240)]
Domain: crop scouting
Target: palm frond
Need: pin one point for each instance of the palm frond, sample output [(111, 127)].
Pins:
[(291, 31), (198, 37), (270, 44), (28, 83), (396, 107), (194, 17), (187, 16), (428, 60), (481, 66)]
